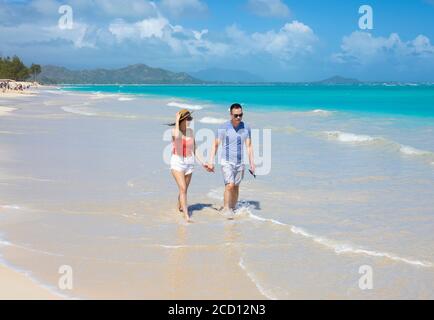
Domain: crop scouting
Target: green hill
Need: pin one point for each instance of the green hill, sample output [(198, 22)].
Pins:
[(134, 74)]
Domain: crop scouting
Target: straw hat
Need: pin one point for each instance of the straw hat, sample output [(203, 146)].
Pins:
[(185, 115)]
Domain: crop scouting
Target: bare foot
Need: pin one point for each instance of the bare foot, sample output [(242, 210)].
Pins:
[(229, 214), (187, 217)]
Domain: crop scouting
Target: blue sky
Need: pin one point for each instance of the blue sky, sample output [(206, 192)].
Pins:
[(280, 40)]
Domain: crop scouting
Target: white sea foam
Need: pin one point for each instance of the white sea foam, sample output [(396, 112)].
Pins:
[(172, 247), (216, 194), (4, 243), (11, 207), (11, 133), (342, 248), (6, 111), (99, 95), (211, 120), (350, 137), (315, 112), (322, 112), (55, 91), (182, 105), (413, 151), (366, 139), (80, 111), (265, 292), (126, 99)]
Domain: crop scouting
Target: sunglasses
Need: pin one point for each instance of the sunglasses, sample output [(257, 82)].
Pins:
[(236, 116)]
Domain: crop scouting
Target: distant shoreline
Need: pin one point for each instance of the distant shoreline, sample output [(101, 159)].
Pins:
[(235, 84)]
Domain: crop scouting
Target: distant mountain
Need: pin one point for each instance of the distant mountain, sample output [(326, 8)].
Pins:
[(338, 80), (134, 74), (226, 75)]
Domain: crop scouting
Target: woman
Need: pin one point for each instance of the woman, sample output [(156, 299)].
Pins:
[(183, 157)]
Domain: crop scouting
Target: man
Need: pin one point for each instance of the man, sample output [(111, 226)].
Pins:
[(232, 135)]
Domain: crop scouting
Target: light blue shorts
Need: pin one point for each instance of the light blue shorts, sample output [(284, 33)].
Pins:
[(232, 173)]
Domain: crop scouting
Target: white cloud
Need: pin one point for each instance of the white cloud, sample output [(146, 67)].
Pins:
[(151, 38), (26, 35), (180, 40), (293, 39), (178, 7), (363, 48), (269, 8), (147, 28)]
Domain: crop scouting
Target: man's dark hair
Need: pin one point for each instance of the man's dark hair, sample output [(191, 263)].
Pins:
[(236, 106)]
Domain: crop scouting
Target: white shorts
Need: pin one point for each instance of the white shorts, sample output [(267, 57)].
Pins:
[(232, 173), (180, 164)]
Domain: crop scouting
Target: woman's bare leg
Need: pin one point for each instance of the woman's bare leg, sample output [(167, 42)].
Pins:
[(182, 186), (187, 181)]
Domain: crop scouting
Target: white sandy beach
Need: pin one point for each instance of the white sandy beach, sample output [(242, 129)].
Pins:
[(83, 184)]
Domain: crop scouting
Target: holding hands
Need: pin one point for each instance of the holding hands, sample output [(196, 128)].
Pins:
[(208, 167)]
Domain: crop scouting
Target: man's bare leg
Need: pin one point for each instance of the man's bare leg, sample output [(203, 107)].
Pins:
[(235, 195), (229, 195)]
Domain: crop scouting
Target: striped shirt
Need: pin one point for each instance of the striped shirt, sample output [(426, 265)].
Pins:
[(233, 141)]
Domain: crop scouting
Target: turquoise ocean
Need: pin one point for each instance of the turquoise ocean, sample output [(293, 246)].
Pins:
[(406, 100)]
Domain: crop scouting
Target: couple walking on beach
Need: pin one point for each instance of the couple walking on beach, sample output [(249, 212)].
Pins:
[(232, 136)]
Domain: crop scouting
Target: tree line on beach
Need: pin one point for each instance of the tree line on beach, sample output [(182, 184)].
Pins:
[(14, 69)]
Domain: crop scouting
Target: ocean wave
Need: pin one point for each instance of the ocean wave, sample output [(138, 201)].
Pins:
[(350, 137), (172, 247), (265, 292), (55, 91), (342, 248), (11, 207), (315, 112), (85, 111), (211, 120), (321, 112), (10, 133), (4, 243), (366, 139), (413, 151), (99, 95), (126, 99), (182, 105), (81, 111), (6, 111)]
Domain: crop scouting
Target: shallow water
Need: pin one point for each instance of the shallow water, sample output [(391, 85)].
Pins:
[(83, 183)]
